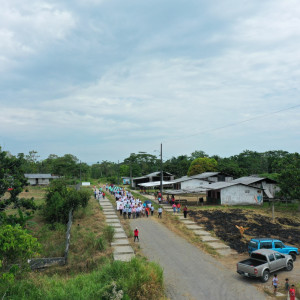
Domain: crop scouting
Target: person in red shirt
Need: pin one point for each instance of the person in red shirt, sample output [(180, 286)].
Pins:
[(136, 235), (147, 211), (292, 292)]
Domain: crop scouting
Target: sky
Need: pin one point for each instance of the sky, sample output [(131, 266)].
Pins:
[(101, 79)]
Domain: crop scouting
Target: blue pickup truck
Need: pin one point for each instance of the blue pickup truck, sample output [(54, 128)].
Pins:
[(276, 245)]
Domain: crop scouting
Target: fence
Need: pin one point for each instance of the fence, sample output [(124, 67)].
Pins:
[(40, 263)]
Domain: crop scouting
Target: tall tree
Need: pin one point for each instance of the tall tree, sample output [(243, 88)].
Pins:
[(12, 182), (201, 165)]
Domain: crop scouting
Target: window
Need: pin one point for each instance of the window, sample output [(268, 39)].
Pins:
[(278, 256), (278, 245), (266, 245), (253, 244), (271, 257)]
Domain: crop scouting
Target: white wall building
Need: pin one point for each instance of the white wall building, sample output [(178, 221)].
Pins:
[(39, 179), (229, 193)]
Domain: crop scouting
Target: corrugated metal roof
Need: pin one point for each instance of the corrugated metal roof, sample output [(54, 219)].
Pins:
[(198, 176), (248, 179), (186, 191), (152, 174), (40, 176), (205, 175)]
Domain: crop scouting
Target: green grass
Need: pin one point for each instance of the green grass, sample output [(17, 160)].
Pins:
[(137, 279)]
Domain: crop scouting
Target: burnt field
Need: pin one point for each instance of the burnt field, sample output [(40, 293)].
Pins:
[(223, 223)]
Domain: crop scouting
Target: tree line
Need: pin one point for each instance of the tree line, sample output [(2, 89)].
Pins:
[(278, 165)]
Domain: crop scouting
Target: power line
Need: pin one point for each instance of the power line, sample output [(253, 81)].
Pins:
[(232, 124)]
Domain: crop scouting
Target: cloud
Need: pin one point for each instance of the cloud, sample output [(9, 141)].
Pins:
[(103, 72), (29, 28)]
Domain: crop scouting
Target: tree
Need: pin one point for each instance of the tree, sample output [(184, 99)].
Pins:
[(289, 179), (12, 182), (197, 154), (177, 166), (201, 165)]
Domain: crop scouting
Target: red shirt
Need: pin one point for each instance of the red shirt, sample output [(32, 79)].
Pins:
[(136, 232), (292, 294)]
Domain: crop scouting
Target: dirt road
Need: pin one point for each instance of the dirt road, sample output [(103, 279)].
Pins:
[(188, 272)]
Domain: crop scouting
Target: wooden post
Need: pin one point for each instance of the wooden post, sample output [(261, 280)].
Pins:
[(273, 215)]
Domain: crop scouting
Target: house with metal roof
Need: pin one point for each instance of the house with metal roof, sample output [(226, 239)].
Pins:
[(234, 193), (200, 180), (152, 177), (39, 179), (269, 186)]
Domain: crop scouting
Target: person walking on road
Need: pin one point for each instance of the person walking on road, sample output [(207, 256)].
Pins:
[(185, 210), (152, 210), (178, 208), (136, 235), (159, 212), (174, 208)]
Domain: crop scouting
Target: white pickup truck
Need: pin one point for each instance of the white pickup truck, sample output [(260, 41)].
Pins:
[(263, 262)]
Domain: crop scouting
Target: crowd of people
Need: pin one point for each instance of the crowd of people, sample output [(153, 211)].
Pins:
[(130, 207)]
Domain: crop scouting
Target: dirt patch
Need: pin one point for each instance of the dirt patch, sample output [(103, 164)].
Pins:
[(223, 223)]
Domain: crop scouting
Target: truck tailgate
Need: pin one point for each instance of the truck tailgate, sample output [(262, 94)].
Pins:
[(245, 269)]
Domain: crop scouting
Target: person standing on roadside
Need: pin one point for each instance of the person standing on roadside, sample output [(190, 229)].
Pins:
[(136, 235), (178, 208), (292, 293), (275, 283), (185, 211), (152, 210)]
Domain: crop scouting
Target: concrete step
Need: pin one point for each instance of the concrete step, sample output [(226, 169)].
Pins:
[(194, 227), (120, 242), (201, 232), (188, 222), (226, 252), (123, 257), (115, 225), (209, 239), (182, 218), (218, 246), (113, 221), (111, 217), (123, 249), (120, 235)]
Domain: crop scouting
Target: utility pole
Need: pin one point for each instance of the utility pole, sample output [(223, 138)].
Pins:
[(130, 174), (80, 173), (118, 173), (161, 170)]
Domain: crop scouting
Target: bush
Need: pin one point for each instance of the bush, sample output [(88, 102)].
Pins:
[(108, 233), (100, 244), (137, 279), (60, 200)]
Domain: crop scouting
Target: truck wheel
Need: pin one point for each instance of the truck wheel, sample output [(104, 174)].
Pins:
[(294, 256), (290, 266), (265, 277)]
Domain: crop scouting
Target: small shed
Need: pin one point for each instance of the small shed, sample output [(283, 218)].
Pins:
[(39, 179), (230, 193)]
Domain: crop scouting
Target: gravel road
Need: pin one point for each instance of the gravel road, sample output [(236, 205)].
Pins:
[(189, 273)]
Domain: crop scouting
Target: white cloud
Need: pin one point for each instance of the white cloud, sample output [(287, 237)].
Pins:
[(26, 28)]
